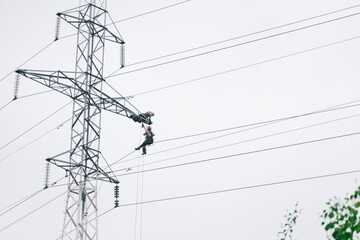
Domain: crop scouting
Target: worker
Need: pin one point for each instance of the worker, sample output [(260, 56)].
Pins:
[(149, 139)]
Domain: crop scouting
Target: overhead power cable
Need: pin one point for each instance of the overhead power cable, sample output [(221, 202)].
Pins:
[(6, 105), (152, 11), (122, 20), (33, 211), (340, 107), (243, 153), (136, 16), (219, 191), (241, 36), (125, 99), (11, 207), (244, 188), (245, 66), (236, 45), (248, 140), (269, 184), (18, 203), (236, 143), (22, 134), (43, 49), (34, 94), (41, 136), (253, 126)]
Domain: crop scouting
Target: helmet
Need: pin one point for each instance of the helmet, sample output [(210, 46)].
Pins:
[(149, 128)]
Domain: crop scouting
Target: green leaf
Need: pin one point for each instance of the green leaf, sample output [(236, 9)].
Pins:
[(357, 228), (329, 226), (357, 205), (331, 215)]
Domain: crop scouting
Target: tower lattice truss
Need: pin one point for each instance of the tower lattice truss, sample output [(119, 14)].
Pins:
[(84, 86)]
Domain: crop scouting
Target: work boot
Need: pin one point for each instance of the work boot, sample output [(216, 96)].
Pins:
[(137, 148)]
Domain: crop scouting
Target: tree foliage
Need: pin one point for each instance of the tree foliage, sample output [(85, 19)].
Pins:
[(288, 228), (341, 217)]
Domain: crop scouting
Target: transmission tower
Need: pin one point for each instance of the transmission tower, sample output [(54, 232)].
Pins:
[(84, 86)]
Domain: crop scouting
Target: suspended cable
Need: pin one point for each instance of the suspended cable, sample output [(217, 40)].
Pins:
[(136, 208), (34, 94), (152, 11), (243, 153), (244, 188), (33, 211), (269, 184), (249, 140), (12, 206), (27, 61), (121, 159), (234, 45), (140, 163), (246, 66), (254, 126), (6, 105), (107, 165), (18, 203), (26, 145), (139, 15), (236, 143), (239, 37), (125, 99), (22, 134), (58, 38), (141, 199), (336, 108)]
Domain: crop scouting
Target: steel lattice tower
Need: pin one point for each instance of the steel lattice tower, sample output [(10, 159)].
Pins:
[(84, 86)]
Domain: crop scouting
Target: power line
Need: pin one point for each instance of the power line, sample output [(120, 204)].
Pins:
[(6, 105), (269, 184), (27, 61), (152, 11), (34, 94), (236, 45), (254, 125), (33, 211), (22, 134), (26, 145), (264, 122), (202, 194), (243, 153), (125, 99), (139, 15), (243, 188), (241, 36), (246, 66), (136, 16), (18, 203), (12, 206)]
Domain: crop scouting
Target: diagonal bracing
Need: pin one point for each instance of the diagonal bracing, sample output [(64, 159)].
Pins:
[(84, 86)]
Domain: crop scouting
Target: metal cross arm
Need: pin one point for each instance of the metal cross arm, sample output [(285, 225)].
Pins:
[(93, 170), (57, 80), (90, 22), (85, 87), (61, 82)]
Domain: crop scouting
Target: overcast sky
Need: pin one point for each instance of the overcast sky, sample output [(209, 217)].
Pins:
[(269, 63)]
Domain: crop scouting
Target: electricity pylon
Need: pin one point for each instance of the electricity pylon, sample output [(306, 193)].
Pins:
[(84, 86)]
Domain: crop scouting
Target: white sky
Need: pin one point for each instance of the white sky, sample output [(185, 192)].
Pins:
[(290, 86)]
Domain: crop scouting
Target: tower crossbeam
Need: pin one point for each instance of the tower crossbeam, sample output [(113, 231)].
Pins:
[(84, 86)]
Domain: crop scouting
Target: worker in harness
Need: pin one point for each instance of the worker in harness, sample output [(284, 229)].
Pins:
[(149, 139)]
